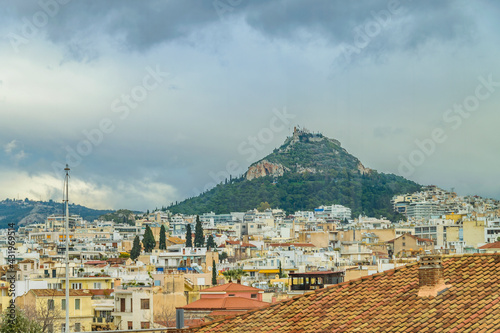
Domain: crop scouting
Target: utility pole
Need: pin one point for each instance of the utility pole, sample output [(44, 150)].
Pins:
[(66, 182)]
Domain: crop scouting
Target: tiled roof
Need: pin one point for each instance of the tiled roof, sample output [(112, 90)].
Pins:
[(387, 302), (226, 303), (247, 245), (495, 245), (292, 244), (55, 292), (176, 240), (412, 236), (231, 287)]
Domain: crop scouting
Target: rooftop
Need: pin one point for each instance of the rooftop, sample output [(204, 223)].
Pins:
[(387, 302), (231, 287)]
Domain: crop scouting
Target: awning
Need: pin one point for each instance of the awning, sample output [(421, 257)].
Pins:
[(104, 307), (269, 271)]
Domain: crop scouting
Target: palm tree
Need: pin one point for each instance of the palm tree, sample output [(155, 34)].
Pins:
[(235, 274), (239, 273), (229, 275)]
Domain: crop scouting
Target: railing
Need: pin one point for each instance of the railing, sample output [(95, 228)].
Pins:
[(102, 320)]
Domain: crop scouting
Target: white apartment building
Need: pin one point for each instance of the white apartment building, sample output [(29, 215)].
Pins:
[(133, 308)]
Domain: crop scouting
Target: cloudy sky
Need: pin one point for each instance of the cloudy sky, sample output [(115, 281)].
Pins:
[(150, 102)]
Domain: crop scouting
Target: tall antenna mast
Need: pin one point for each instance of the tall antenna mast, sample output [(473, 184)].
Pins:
[(66, 186)]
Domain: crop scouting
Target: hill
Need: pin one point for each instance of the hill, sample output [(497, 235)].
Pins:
[(307, 171), (22, 212)]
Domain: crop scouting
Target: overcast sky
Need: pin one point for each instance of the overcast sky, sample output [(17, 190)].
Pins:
[(150, 102)]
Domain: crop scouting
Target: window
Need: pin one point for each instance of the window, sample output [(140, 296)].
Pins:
[(77, 327), (97, 285), (50, 304), (63, 328), (63, 304), (144, 324), (253, 295), (231, 295), (404, 244), (77, 304), (76, 286), (144, 304), (130, 326)]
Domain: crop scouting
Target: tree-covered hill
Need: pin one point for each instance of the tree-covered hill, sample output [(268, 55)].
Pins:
[(21, 212), (307, 171)]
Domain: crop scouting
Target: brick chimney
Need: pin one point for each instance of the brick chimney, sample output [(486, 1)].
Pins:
[(430, 276)]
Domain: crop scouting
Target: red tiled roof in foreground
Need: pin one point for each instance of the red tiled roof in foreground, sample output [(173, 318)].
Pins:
[(386, 302), (226, 303)]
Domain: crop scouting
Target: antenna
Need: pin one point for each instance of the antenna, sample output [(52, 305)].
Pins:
[(66, 187)]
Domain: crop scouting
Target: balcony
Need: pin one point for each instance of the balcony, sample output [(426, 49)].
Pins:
[(103, 320)]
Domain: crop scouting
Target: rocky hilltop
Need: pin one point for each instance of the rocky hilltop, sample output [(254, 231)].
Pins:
[(305, 152)]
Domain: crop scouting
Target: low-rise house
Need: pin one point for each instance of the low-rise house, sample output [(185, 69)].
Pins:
[(48, 307), (409, 245), (133, 308), (224, 300), (490, 248)]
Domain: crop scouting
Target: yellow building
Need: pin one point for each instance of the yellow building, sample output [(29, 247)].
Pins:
[(48, 306), (4, 295), (89, 282), (474, 233)]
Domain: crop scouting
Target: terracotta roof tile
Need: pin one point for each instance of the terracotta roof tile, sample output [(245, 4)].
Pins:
[(226, 303), (495, 245), (231, 287), (386, 302), (55, 292)]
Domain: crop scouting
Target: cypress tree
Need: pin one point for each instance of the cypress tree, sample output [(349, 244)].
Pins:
[(211, 243), (214, 273), (163, 238), (136, 249), (199, 239), (189, 236), (149, 240)]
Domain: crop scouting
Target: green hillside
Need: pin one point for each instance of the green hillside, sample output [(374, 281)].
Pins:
[(317, 171), (21, 212)]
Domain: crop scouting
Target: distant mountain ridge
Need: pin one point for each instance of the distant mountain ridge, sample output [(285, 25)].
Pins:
[(306, 171), (22, 212)]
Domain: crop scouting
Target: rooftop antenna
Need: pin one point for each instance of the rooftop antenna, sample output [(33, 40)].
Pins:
[(66, 183)]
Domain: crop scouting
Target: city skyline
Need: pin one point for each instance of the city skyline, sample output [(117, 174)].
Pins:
[(149, 102)]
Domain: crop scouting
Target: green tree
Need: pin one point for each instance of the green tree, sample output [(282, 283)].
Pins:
[(222, 256), (234, 274), (214, 273), (163, 238), (189, 236), (211, 243), (136, 249), (199, 239), (18, 322), (263, 206), (280, 273), (149, 240)]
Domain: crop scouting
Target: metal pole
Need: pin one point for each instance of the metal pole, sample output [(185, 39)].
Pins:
[(67, 250)]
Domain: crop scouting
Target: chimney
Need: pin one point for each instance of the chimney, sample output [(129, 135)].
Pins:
[(430, 276)]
